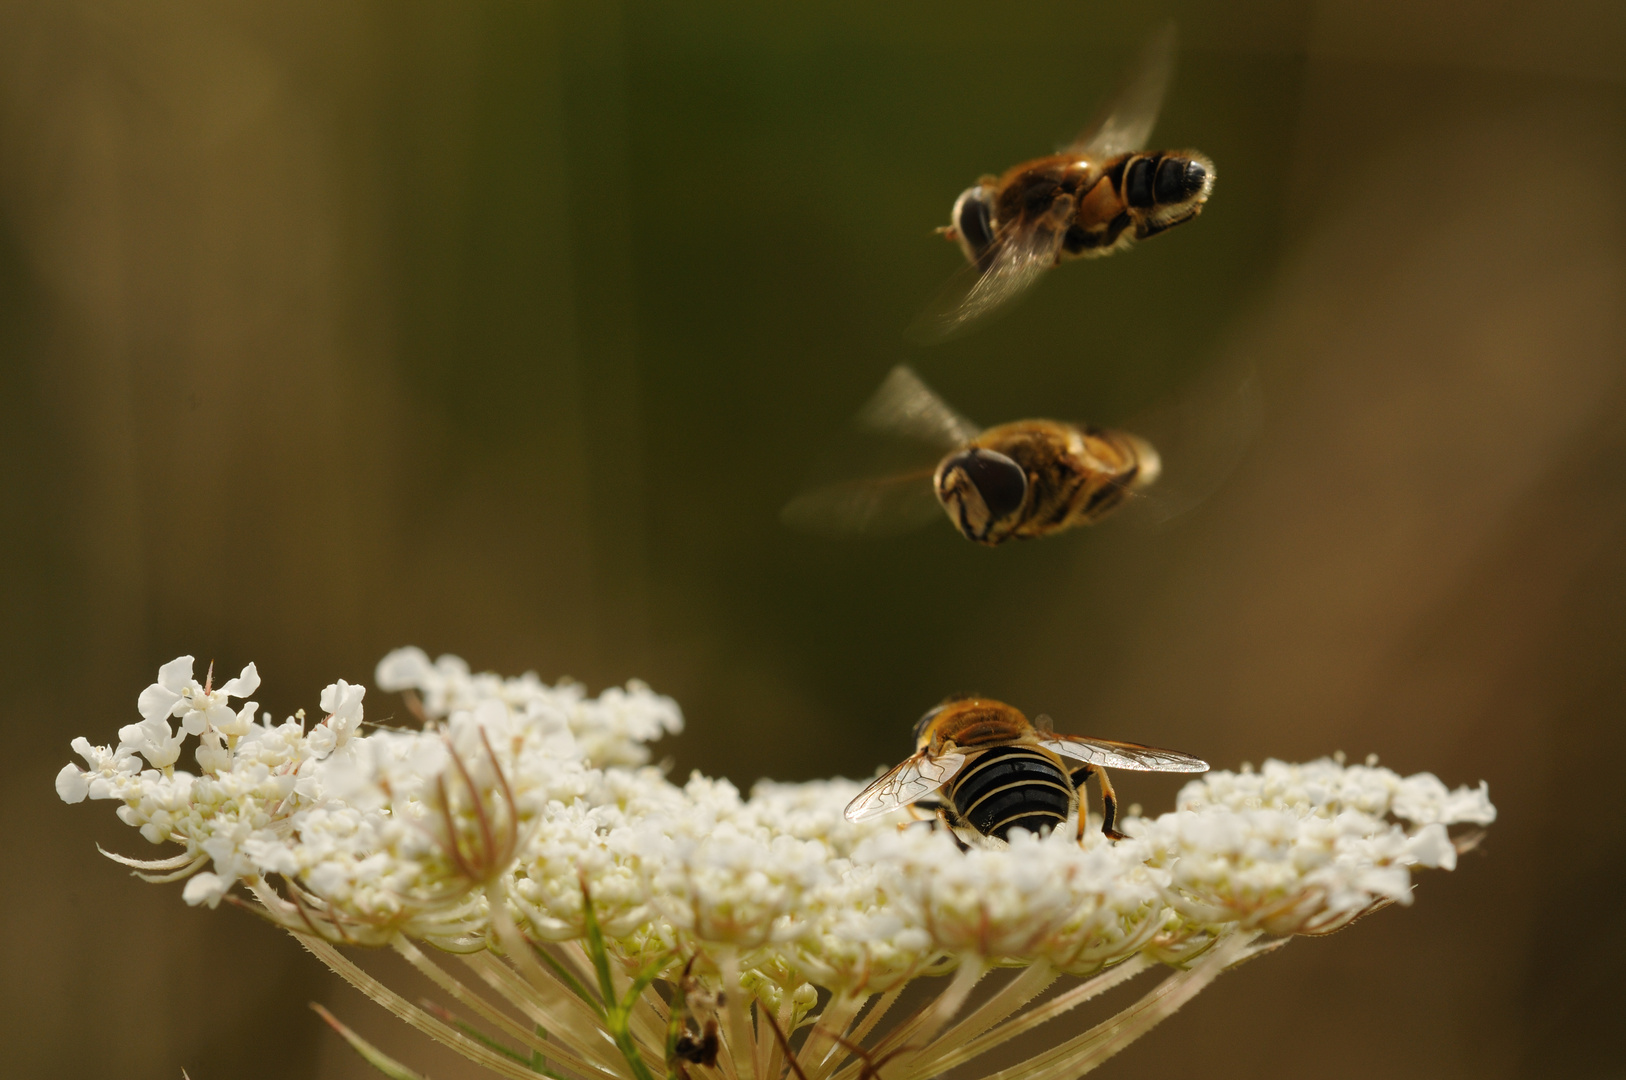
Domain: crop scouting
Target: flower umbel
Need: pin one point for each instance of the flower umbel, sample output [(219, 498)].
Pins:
[(617, 924)]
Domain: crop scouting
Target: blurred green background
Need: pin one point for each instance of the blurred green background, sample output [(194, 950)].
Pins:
[(506, 328)]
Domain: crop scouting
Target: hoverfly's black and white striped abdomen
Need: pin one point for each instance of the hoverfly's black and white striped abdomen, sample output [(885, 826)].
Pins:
[(1163, 180), (1164, 189), (1011, 787), (1149, 193)]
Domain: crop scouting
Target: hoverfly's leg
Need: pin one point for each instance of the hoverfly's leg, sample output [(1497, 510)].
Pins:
[(924, 812), (1109, 809), (949, 820), (1080, 776)]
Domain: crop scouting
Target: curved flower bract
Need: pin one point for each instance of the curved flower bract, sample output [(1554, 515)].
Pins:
[(522, 828)]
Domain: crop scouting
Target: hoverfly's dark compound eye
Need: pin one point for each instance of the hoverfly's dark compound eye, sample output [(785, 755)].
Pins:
[(999, 480), (974, 221), (981, 489), (925, 721)]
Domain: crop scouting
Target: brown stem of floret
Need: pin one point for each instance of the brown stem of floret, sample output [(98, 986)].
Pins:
[(486, 837)]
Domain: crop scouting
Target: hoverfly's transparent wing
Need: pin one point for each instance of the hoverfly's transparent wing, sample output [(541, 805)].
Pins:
[(1125, 123), (907, 783), (879, 506), (1015, 262), (906, 406), (877, 478), (1121, 755), (1200, 433)]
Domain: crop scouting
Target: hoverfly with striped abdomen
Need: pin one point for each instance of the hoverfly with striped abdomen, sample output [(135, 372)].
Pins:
[(996, 772), (1020, 480), (1098, 195)]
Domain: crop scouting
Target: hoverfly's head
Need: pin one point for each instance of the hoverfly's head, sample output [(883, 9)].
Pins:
[(923, 726), (983, 492), (1148, 462), (972, 223), (944, 712)]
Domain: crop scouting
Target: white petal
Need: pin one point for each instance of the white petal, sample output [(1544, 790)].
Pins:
[(153, 740), (342, 701), (1470, 805), (132, 736), (156, 701), (321, 741), (213, 759), (71, 784), (176, 674), (1432, 847), (194, 721), (244, 685), (239, 723), (205, 888), (403, 669), (164, 755)]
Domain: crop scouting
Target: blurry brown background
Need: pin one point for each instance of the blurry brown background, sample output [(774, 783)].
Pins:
[(505, 329)]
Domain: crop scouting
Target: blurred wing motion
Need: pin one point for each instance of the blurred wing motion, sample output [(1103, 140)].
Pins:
[(1014, 263), (885, 467), (907, 407), (878, 506), (1117, 755), (1201, 432), (907, 783), (1125, 123)]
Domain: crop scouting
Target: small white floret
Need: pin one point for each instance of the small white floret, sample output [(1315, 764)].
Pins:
[(71, 784), (205, 888)]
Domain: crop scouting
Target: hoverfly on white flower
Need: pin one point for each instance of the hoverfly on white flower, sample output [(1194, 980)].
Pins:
[(998, 772)]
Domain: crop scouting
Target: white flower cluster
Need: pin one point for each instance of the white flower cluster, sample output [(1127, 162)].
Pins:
[(1306, 848), (389, 831), (534, 797), (610, 729)]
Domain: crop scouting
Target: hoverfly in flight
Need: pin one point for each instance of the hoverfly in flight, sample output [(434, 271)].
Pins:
[(1098, 195), (1020, 480), (984, 770)]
